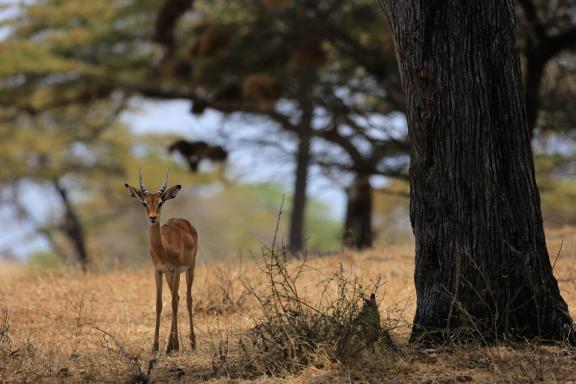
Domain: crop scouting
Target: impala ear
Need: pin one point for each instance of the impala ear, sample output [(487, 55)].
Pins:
[(135, 193), (171, 192)]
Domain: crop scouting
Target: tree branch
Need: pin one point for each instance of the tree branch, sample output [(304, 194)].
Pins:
[(534, 22), (392, 192), (166, 20)]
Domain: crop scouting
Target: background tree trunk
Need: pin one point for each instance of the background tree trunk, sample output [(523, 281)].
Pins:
[(297, 217), (534, 73), (482, 268), (72, 227), (358, 222)]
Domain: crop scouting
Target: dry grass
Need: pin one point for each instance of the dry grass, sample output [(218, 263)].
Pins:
[(98, 327)]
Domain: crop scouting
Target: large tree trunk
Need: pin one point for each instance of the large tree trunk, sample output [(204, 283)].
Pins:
[(358, 223), (482, 268)]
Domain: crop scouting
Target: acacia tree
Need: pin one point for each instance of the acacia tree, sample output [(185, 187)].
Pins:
[(230, 63), (481, 257), (54, 151)]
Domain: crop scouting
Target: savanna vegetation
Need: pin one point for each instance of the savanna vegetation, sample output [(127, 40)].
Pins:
[(383, 192), (68, 326)]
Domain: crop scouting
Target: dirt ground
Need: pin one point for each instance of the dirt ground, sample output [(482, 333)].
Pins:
[(98, 327)]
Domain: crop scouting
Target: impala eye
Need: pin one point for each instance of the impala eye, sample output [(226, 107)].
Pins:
[(160, 203), (144, 204)]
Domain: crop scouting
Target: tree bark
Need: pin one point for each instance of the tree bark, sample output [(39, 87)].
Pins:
[(482, 267), (358, 223), (297, 217), (72, 227)]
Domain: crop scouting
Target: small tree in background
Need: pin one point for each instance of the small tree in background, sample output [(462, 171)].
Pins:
[(547, 31)]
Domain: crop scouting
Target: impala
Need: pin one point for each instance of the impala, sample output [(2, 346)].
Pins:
[(173, 248)]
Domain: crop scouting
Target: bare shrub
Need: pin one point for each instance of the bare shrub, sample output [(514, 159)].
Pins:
[(294, 333), (139, 375), (220, 363)]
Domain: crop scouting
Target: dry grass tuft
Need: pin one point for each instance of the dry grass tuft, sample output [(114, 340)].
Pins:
[(227, 296)]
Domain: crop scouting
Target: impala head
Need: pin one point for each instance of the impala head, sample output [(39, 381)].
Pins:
[(153, 201)]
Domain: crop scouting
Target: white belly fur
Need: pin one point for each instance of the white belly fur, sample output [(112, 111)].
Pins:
[(171, 269)]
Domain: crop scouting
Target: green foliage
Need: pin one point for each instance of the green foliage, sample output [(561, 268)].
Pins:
[(44, 261), (557, 191), (240, 218), (323, 233), (17, 58), (64, 52), (557, 199), (391, 219)]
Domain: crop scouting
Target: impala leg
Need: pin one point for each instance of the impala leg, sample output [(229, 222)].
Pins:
[(189, 281), (158, 275), (169, 277), (173, 344)]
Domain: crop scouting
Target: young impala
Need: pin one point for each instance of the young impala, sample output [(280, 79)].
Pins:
[(173, 249)]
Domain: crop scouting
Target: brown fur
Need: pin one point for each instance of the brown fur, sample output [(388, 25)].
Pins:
[(173, 248)]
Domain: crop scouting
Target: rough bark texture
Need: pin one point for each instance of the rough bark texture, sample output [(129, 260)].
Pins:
[(358, 223), (482, 268)]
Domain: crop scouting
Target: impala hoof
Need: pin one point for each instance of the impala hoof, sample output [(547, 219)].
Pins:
[(155, 347)]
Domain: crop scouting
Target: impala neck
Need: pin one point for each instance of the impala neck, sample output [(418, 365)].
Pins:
[(156, 241)]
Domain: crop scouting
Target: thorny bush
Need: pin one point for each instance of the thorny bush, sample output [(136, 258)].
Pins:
[(293, 333)]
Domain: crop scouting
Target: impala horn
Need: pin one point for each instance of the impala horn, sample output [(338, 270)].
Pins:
[(142, 188), (165, 184)]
